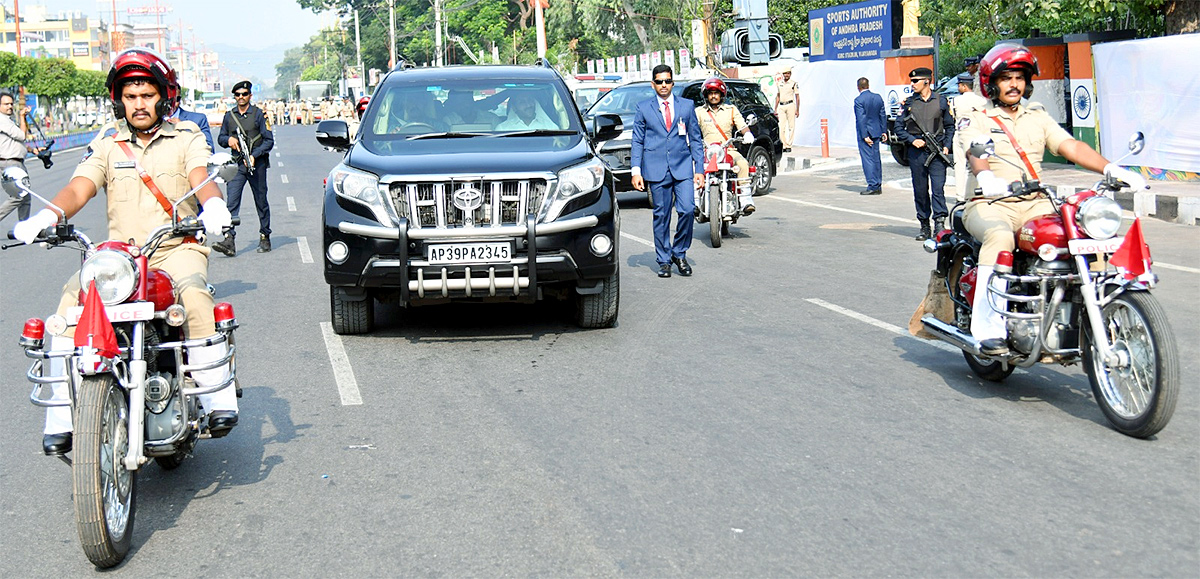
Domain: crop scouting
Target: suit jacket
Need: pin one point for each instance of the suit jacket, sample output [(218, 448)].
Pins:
[(201, 121), (658, 151), (870, 120)]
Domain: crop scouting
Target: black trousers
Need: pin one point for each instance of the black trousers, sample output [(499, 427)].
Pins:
[(258, 186), (929, 184)]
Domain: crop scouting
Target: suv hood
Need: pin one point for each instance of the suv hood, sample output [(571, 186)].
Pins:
[(478, 155)]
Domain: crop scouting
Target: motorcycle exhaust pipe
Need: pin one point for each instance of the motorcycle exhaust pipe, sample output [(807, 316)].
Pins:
[(951, 334)]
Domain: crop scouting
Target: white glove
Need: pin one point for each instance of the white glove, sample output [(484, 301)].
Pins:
[(992, 185), (1135, 180), (28, 230), (747, 138), (215, 216)]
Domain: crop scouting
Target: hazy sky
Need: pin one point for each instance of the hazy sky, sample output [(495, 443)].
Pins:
[(251, 24)]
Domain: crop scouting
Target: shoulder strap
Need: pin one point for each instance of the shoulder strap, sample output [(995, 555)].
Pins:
[(162, 199), (1017, 147), (716, 124)]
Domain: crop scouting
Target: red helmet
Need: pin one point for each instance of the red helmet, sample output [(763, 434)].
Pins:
[(143, 63), (716, 84), (362, 104), (1007, 56)]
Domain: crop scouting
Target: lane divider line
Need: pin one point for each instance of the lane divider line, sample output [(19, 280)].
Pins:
[(637, 239), (305, 254), (291, 203), (1175, 267), (343, 374), (284, 177), (880, 324)]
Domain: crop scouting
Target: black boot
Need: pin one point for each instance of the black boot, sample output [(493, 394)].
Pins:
[(938, 225), (56, 444), (264, 243), (226, 246), (925, 233)]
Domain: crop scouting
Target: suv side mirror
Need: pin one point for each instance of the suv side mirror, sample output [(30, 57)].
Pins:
[(334, 134), (606, 127)]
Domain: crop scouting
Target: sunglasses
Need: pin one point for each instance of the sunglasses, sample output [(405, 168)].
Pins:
[(663, 81), (241, 94), (917, 80)]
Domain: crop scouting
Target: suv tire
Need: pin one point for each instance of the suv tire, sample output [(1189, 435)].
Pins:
[(350, 316), (600, 310), (760, 159)]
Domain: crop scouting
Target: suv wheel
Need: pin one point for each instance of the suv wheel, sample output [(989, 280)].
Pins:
[(350, 315), (600, 310), (761, 161)]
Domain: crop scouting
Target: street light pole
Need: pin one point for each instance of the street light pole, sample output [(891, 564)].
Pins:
[(392, 34), (358, 49), (540, 20), (437, 32)]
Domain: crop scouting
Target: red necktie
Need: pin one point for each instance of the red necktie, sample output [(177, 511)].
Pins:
[(667, 113)]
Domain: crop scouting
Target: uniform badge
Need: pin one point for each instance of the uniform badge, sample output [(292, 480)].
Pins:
[(125, 165), (87, 154), (963, 123)]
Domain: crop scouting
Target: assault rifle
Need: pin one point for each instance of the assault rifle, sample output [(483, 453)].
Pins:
[(932, 146), (244, 147)]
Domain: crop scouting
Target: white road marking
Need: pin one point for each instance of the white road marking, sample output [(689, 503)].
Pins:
[(291, 203), (880, 324), (637, 239), (284, 177), (1175, 267), (279, 163), (305, 254), (340, 362)]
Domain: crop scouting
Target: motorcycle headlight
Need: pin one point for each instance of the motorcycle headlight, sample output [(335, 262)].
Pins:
[(573, 182), (1100, 217), (363, 188), (114, 274), (713, 150)]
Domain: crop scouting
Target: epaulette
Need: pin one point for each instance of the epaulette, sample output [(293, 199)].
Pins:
[(110, 132), (1035, 106)]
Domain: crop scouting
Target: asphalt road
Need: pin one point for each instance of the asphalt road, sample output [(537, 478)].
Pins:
[(769, 416)]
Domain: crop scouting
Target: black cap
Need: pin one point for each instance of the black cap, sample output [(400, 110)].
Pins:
[(967, 79), (244, 84), (921, 72), (968, 61)]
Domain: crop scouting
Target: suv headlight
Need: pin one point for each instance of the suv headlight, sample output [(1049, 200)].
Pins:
[(1100, 217), (363, 188), (573, 182), (113, 272)]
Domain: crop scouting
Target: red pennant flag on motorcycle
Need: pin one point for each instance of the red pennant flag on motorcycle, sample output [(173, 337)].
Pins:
[(1133, 257), (94, 328)]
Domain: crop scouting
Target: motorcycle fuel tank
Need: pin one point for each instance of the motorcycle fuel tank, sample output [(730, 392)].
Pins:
[(1039, 231), (160, 289)]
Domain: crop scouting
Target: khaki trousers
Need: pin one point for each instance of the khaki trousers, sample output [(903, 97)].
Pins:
[(787, 124), (996, 225), (964, 180)]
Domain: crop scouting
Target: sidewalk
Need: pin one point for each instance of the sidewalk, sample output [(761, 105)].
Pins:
[(1173, 201)]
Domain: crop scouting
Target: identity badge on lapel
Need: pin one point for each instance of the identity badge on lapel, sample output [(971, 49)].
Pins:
[(682, 129)]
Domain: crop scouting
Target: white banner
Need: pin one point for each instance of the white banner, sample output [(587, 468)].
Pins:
[(1083, 102), (1153, 86), (827, 91)]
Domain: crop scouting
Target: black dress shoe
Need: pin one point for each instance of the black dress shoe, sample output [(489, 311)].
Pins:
[(684, 269), (993, 347), (871, 192), (220, 422), (664, 270), (56, 444)]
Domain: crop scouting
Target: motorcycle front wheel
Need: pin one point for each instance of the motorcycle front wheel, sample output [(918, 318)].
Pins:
[(714, 215), (102, 486), (1138, 396)]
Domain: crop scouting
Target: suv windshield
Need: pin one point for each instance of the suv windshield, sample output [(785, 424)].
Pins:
[(403, 111), (623, 100)]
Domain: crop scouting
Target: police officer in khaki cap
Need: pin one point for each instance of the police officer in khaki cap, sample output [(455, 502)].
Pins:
[(145, 93)]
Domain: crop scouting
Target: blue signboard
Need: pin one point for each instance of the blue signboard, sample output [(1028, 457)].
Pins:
[(856, 31)]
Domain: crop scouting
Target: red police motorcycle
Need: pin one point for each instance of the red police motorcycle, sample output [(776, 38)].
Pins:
[(1072, 292), (717, 202), (129, 377)]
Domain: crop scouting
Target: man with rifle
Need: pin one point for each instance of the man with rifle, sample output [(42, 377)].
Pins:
[(926, 126), (247, 133)]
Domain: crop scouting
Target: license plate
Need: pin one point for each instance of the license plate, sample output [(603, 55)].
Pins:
[(469, 252), (131, 312), (1091, 246)]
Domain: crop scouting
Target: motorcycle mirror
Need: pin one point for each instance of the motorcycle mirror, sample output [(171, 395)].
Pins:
[(982, 148), (14, 178), (1137, 142), (752, 119), (222, 164)]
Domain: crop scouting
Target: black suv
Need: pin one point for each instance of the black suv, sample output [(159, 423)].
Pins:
[(476, 183), (765, 154)]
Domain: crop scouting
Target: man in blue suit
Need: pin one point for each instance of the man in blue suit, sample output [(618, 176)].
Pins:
[(668, 155), (200, 119), (871, 124)]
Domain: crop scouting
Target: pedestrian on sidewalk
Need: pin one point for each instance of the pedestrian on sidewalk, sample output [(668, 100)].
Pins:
[(787, 107), (667, 155), (961, 107), (926, 113), (870, 123)]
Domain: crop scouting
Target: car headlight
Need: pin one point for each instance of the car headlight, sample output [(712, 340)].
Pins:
[(114, 274), (363, 188), (1100, 217), (573, 182)]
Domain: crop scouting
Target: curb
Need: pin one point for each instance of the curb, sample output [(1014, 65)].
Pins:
[(1185, 210), (797, 163)]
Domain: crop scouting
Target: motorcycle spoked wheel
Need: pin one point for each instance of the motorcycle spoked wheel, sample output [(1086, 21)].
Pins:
[(1139, 398), (103, 488), (714, 215), (986, 368)]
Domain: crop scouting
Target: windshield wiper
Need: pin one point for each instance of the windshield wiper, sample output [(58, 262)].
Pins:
[(536, 132), (447, 135)]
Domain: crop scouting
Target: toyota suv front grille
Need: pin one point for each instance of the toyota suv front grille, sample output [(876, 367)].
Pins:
[(467, 203)]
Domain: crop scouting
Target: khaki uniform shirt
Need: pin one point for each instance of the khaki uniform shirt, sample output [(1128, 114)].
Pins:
[(1033, 127), (787, 92), (963, 104), (133, 211), (726, 116)]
